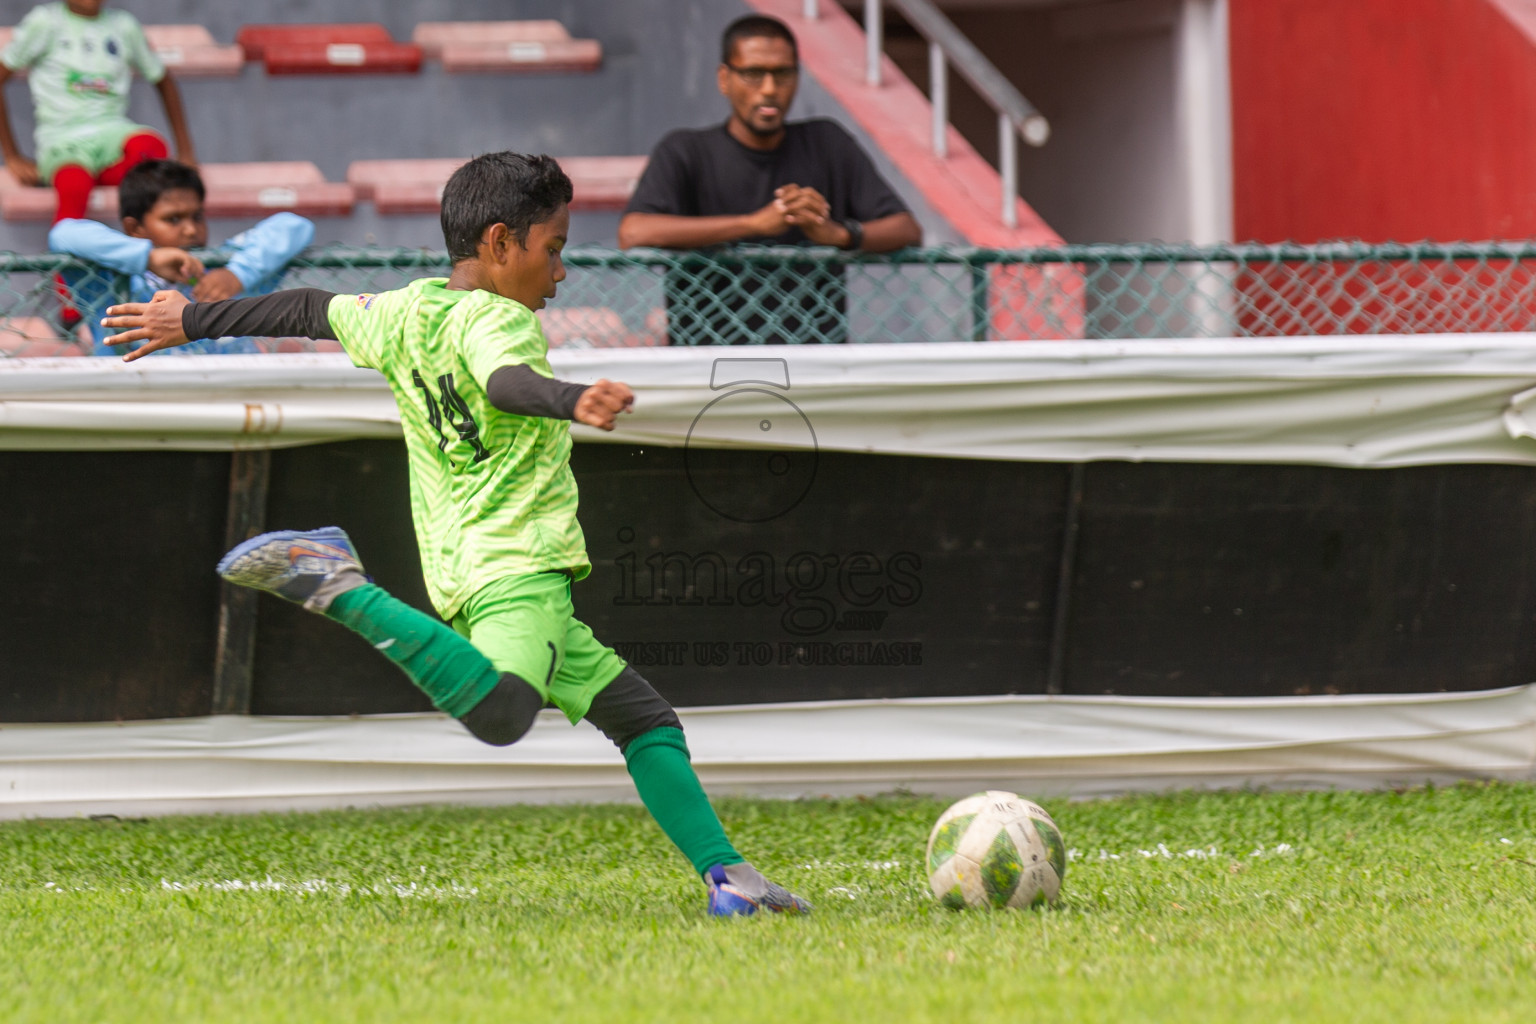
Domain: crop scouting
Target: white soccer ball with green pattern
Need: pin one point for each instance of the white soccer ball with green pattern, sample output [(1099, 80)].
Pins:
[(996, 849)]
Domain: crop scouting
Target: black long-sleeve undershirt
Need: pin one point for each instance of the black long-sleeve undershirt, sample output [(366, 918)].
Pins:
[(292, 313), (304, 313), (523, 391)]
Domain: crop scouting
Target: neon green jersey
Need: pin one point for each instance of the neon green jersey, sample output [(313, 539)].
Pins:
[(79, 69), (492, 494)]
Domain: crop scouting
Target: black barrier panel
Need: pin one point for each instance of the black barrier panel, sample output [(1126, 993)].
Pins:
[(1264, 580), (889, 577), (108, 601), (306, 665), (879, 577)]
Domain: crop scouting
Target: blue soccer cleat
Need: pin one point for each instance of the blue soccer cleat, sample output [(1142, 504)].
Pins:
[(740, 890), (310, 567)]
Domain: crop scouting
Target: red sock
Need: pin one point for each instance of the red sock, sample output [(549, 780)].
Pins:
[(136, 148), (73, 183)]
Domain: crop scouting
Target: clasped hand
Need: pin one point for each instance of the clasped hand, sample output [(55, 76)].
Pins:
[(803, 208)]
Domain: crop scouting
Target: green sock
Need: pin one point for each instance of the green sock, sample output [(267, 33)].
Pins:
[(658, 762), (449, 668)]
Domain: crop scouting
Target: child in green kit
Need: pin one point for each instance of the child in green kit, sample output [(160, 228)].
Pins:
[(80, 60), (492, 496)]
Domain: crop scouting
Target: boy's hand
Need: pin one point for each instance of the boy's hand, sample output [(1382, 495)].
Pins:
[(601, 404), (174, 264), (157, 323), (24, 168), (217, 285)]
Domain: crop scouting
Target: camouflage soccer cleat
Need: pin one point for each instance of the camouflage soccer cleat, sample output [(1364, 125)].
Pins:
[(740, 890), (310, 567)]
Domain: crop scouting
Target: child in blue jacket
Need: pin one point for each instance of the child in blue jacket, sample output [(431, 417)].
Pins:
[(161, 205)]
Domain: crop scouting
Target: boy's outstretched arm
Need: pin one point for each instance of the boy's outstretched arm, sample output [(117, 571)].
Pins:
[(522, 391), (169, 319)]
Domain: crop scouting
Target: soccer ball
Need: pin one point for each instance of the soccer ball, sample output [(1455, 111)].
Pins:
[(995, 849)]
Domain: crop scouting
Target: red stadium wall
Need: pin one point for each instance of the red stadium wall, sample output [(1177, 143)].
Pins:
[(1383, 119)]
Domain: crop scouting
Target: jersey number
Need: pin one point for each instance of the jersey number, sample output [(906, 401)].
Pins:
[(456, 410)]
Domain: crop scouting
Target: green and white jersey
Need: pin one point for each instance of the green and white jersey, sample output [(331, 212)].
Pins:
[(492, 493), (79, 69)]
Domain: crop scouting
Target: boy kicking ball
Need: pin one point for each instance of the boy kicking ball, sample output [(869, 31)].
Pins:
[(492, 496)]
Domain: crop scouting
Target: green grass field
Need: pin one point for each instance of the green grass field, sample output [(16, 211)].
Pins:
[(1416, 906)]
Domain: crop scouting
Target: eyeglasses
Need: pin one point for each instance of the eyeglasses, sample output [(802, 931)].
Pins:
[(756, 76)]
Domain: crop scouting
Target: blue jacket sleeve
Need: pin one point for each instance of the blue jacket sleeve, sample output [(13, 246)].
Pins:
[(95, 242), (261, 253)]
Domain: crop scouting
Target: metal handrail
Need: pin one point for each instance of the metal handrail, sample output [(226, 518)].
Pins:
[(1016, 116)]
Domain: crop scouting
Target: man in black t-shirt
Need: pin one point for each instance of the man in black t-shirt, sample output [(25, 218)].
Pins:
[(760, 179)]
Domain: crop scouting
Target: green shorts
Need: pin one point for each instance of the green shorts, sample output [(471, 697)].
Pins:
[(95, 152), (526, 625)]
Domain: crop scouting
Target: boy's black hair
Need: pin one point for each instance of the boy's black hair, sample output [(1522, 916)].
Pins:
[(500, 188), (143, 186), (755, 26)]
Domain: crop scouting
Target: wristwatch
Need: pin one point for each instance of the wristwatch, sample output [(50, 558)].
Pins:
[(855, 234)]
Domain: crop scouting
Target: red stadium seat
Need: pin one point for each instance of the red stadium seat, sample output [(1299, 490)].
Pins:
[(191, 37), (524, 57), (362, 48), (190, 50), (277, 172), (408, 197), (234, 190), (603, 182), (506, 46), (257, 189), (416, 186), (432, 36), (20, 202), (367, 175), (344, 59), (255, 39), (327, 199)]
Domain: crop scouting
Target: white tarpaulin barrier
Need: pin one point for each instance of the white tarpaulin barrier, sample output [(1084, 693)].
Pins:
[(1341, 401), (951, 746), (1351, 402)]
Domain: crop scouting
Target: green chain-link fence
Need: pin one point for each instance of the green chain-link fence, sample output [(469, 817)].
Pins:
[(772, 295)]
